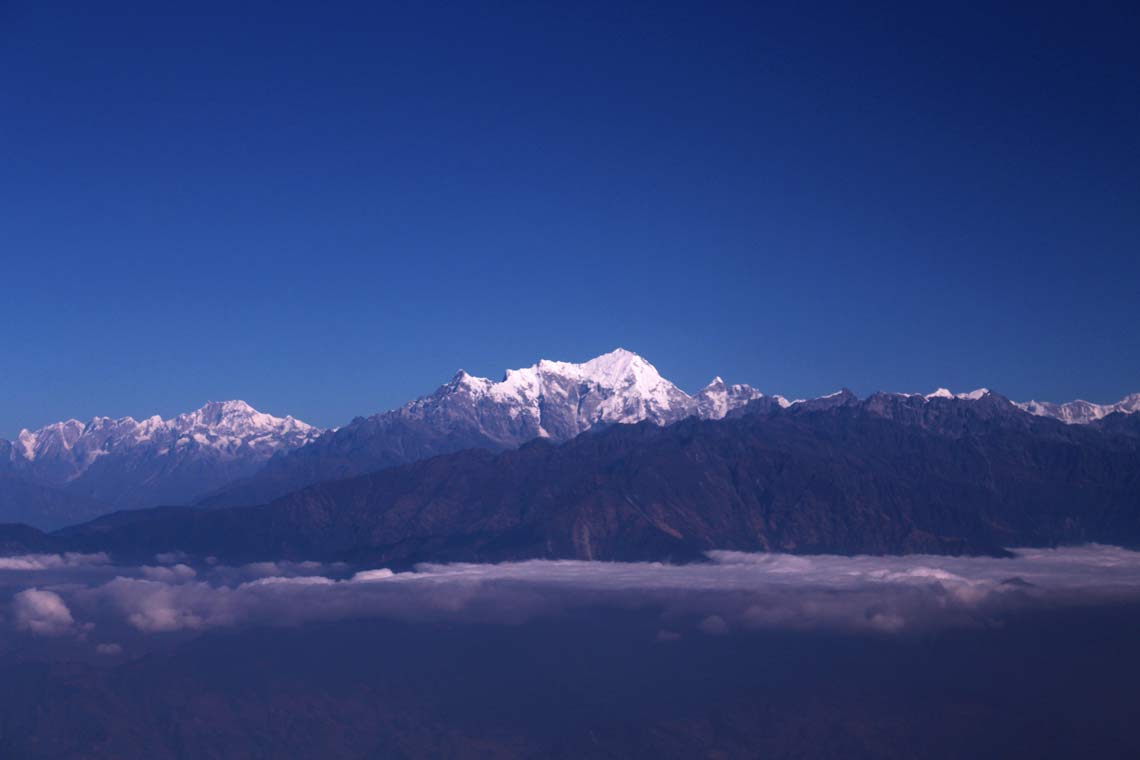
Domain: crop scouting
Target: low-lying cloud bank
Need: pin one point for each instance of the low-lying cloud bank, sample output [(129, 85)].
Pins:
[(87, 598)]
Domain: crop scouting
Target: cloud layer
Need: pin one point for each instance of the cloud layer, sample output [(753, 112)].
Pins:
[(61, 595)]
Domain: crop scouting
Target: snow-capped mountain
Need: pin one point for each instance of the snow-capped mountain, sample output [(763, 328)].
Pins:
[(550, 400), (973, 395), (1077, 412), (125, 462), (559, 400), (228, 453), (230, 428), (1082, 412), (891, 472), (716, 400)]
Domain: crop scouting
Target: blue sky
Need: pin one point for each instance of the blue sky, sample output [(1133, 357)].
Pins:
[(328, 209)]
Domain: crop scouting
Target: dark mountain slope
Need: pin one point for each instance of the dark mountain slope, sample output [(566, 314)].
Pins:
[(47, 507), (890, 474), (24, 539), (364, 445), (1120, 423)]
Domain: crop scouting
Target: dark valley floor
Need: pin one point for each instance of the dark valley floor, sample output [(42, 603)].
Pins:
[(590, 685)]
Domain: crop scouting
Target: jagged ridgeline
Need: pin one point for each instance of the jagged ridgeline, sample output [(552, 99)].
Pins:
[(228, 454), (551, 400), (888, 474), (71, 471)]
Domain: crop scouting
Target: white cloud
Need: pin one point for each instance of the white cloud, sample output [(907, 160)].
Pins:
[(732, 592), (31, 562), (154, 606), (42, 612), (231, 575)]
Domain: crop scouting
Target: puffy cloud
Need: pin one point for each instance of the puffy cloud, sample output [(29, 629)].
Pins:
[(153, 606), (42, 612)]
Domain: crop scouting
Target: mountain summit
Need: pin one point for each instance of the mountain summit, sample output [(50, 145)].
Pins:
[(562, 399), (559, 400), (1081, 412), (65, 450), (110, 463), (550, 400)]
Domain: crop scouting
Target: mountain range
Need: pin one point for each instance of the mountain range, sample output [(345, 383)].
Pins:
[(555, 401), (69, 471), (228, 454), (886, 474), (1082, 412)]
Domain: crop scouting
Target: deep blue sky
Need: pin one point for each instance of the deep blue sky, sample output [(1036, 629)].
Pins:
[(326, 209)]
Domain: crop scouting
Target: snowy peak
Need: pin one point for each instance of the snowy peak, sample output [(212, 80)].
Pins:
[(54, 440), (717, 399), (619, 371), (231, 427), (236, 419), (630, 389), (973, 395), (1081, 412), (623, 369), (62, 451), (219, 412), (551, 400), (558, 400), (626, 386)]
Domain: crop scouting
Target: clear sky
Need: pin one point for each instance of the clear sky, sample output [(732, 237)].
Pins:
[(328, 208)]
